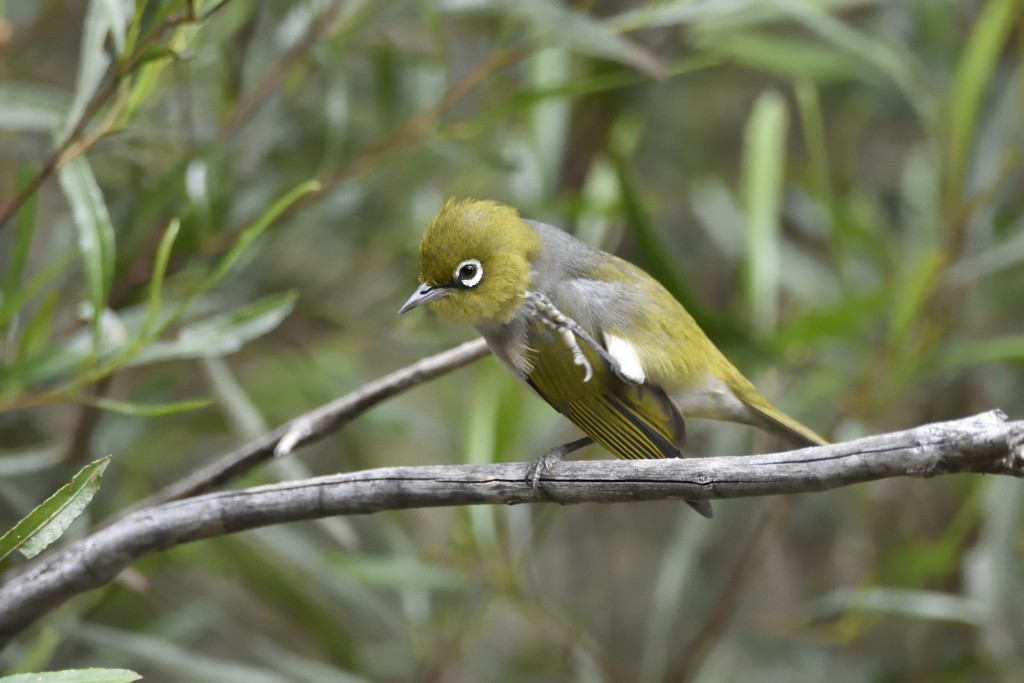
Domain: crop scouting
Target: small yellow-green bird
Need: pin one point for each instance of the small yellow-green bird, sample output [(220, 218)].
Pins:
[(596, 337)]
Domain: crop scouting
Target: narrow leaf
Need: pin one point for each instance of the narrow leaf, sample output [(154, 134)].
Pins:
[(788, 56), (402, 571), (146, 410), (24, 228), (95, 233), (156, 283), (250, 234), (584, 34), (1008, 349), (763, 175), (9, 307), (888, 58), (49, 521), (103, 18), (658, 259), (75, 676), (221, 334), (28, 108), (35, 335), (117, 16), (912, 292), (842, 320), (724, 16), (973, 76)]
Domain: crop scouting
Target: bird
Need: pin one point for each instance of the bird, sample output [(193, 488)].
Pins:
[(595, 336)]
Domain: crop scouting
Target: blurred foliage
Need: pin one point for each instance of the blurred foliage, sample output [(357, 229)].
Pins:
[(210, 213)]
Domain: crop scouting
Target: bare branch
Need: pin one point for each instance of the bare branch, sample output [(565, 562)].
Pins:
[(985, 443), (317, 423)]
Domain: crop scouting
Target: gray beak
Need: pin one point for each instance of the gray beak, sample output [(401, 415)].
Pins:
[(424, 294)]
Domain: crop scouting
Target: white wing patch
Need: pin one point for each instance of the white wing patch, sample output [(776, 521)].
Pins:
[(626, 357)]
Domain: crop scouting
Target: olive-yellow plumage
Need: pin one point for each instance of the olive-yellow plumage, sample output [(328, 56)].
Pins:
[(597, 337)]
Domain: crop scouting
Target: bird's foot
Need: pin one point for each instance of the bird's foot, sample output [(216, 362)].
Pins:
[(542, 465), (568, 329)]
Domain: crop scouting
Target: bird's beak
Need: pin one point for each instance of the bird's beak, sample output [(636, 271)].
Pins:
[(424, 294)]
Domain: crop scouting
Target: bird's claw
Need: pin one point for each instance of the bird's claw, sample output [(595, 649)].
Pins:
[(542, 466), (578, 357), (568, 329)]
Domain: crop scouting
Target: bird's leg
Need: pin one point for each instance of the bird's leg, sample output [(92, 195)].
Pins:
[(578, 357), (568, 329), (542, 465)]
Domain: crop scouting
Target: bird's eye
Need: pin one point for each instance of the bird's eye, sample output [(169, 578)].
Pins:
[(469, 273)]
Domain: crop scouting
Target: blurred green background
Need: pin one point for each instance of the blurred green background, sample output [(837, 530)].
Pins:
[(834, 188)]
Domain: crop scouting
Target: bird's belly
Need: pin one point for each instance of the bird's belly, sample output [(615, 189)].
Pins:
[(713, 400)]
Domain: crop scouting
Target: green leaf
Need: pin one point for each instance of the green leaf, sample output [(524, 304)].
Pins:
[(143, 409), (49, 521), (1008, 349), (673, 13), (156, 283), (250, 234), (515, 103), (812, 123), (842, 320), (102, 19), (723, 16), (973, 76), (116, 18), (658, 259), (26, 108), (95, 233), (789, 56), (400, 571), (9, 307), (764, 154), (584, 34), (75, 676), (35, 335), (912, 292), (157, 53), (887, 58), (221, 334), (150, 65), (25, 226)]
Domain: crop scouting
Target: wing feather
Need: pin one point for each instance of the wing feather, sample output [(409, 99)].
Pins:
[(631, 421)]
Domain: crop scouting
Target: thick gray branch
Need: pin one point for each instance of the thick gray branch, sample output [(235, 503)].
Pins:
[(986, 443)]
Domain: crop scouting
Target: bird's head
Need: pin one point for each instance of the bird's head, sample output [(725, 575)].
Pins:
[(475, 262)]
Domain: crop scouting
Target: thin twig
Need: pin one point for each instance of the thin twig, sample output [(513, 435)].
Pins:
[(74, 144), (317, 423), (985, 443)]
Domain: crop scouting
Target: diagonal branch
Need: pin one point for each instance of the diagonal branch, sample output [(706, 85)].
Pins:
[(985, 443), (316, 424)]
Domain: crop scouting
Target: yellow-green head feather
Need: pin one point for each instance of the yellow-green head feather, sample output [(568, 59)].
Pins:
[(492, 234)]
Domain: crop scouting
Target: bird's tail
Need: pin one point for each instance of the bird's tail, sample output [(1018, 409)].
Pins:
[(786, 428)]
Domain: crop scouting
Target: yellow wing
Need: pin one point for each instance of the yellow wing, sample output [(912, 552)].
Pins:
[(631, 421)]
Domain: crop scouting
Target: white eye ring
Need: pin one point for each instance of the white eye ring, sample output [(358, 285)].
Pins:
[(469, 273)]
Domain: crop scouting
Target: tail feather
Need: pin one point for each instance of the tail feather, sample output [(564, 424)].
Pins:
[(786, 428), (703, 507)]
